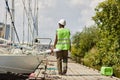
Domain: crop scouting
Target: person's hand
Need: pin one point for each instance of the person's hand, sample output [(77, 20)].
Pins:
[(52, 53)]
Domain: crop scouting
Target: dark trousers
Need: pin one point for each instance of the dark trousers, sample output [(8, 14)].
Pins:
[(62, 56)]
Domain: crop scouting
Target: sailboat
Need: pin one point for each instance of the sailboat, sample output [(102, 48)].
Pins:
[(17, 58)]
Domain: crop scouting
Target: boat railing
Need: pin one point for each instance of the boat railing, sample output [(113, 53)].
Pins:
[(38, 47)]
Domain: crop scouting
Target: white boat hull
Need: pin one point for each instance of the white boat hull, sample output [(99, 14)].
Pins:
[(19, 63)]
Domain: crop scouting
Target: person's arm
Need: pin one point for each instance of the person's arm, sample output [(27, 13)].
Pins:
[(55, 42), (70, 46), (52, 48), (70, 43)]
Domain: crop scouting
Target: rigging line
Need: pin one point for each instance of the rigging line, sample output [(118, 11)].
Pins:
[(35, 8), (5, 23), (7, 6), (35, 28), (32, 17), (23, 25), (37, 15), (27, 17), (27, 12), (30, 14), (36, 19), (30, 10)]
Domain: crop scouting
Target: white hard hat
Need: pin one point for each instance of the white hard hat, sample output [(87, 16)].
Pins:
[(62, 22)]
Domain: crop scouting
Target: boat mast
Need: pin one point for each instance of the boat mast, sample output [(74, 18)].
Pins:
[(37, 19), (29, 25), (23, 25), (12, 37), (5, 23), (12, 22)]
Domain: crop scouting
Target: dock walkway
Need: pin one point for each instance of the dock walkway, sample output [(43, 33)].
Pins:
[(75, 72)]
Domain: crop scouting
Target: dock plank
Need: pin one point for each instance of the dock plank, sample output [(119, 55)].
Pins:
[(75, 72)]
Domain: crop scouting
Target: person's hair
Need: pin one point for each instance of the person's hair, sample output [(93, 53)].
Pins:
[(61, 25)]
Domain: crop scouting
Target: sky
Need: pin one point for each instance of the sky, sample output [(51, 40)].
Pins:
[(77, 13)]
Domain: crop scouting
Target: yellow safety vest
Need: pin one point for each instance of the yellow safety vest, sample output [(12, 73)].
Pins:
[(63, 37)]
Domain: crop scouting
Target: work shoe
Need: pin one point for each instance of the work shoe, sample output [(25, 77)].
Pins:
[(63, 73), (60, 73)]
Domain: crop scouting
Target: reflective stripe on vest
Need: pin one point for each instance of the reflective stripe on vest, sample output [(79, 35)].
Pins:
[(63, 42)]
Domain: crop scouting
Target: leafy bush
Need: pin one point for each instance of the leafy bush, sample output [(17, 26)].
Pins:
[(92, 59), (84, 41), (116, 70)]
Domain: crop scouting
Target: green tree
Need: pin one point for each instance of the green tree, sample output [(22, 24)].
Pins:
[(83, 42), (107, 19)]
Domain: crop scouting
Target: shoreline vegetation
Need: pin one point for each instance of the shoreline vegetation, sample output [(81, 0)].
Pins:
[(99, 45)]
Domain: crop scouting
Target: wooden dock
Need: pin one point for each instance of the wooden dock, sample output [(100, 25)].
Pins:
[(75, 72)]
